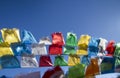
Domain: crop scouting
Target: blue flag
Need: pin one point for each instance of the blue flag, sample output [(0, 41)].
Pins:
[(28, 38), (9, 61), (20, 49)]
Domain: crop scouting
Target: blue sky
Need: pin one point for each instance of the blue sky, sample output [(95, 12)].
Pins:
[(98, 18)]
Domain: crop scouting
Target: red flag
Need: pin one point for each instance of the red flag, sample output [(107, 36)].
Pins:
[(56, 72), (45, 61), (55, 49), (57, 38), (110, 48)]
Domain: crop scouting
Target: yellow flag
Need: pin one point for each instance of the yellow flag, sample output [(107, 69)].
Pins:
[(84, 41), (73, 59), (5, 49), (10, 35), (82, 52)]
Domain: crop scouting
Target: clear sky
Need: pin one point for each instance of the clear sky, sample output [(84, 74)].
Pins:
[(98, 18)]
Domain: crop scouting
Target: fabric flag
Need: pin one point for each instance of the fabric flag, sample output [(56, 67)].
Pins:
[(5, 49), (83, 45), (45, 61), (19, 49), (84, 41), (102, 45), (45, 40), (55, 72), (57, 38), (1, 40), (93, 47), (82, 51), (10, 35), (9, 61), (28, 38), (92, 69), (117, 54), (73, 59), (69, 50), (55, 49), (85, 60), (107, 65), (60, 61), (93, 44), (110, 48), (29, 75), (39, 49), (29, 61), (76, 71), (100, 60), (71, 39)]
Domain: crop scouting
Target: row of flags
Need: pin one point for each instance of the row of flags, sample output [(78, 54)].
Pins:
[(77, 71), (95, 53), (27, 44), (10, 61)]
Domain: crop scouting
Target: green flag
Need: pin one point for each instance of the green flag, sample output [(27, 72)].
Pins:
[(59, 60), (117, 54), (76, 71), (69, 50), (71, 39), (1, 40)]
